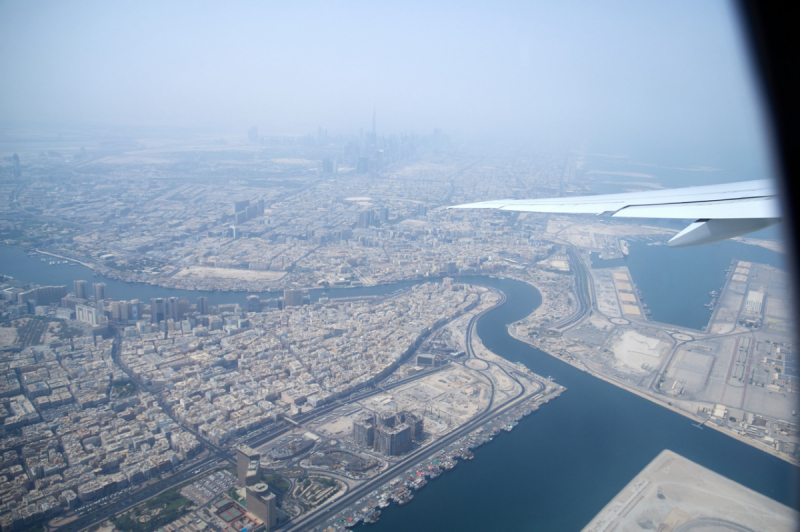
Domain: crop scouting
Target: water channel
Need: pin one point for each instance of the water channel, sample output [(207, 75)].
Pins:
[(561, 465)]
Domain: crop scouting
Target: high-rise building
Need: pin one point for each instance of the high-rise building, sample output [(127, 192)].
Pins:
[(81, 289), (393, 441), (239, 206), (183, 308), (17, 170), (252, 134), (71, 301), (292, 298), (366, 218), (43, 295), (388, 419), (262, 504), (202, 305), (172, 308), (86, 314), (422, 210), (100, 292), (384, 214), (364, 432), (247, 465), (135, 309), (158, 310), (416, 425), (327, 166), (362, 167), (253, 304)]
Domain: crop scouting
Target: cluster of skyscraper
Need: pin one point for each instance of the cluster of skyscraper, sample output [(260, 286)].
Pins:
[(388, 433), (369, 218), (243, 210), (260, 501)]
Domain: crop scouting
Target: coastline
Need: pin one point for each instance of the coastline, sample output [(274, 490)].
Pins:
[(87, 264), (576, 364), (523, 276)]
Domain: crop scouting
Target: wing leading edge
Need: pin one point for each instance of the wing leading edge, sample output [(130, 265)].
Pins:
[(719, 211)]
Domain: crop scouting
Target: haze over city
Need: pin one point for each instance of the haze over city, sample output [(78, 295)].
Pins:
[(235, 295), (612, 73)]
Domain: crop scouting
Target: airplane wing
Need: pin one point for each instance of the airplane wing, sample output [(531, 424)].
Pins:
[(719, 211)]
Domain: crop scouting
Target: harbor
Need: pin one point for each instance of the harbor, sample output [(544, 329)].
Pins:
[(553, 444), (401, 489)]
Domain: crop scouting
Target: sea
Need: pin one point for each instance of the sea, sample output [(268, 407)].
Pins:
[(561, 465)]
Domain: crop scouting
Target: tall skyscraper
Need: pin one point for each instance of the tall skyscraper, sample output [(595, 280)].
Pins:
[(262, 503), (247, 463), (17, 170), (172, 308), (393, 441), (135, 309), (292, 298), (100, 292), (158, 309), (252, 134), (81, 289), (120, 311), (384, 214), (364, 432), (202, 305), (183, 308), (366, 219)]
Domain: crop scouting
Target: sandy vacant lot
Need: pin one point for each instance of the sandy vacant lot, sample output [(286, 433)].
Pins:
[(627, 298), (339, 427), (631, 310), (634, 349), (203, 272)]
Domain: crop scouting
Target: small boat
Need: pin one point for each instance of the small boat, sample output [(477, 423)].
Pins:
[(352, 522)]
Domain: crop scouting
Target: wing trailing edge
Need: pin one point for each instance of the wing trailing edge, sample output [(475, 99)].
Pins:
[(720, 211)]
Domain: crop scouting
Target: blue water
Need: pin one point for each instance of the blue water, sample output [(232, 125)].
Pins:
[(561, 465), (683, 166), (14, 262), (675, 282)]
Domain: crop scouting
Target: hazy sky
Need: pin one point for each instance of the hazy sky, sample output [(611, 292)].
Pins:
[(652, 71)]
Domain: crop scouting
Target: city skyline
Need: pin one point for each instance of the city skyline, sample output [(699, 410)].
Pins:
[(235, 293)]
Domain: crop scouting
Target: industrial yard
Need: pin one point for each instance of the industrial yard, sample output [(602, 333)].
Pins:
[(738, 374)]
